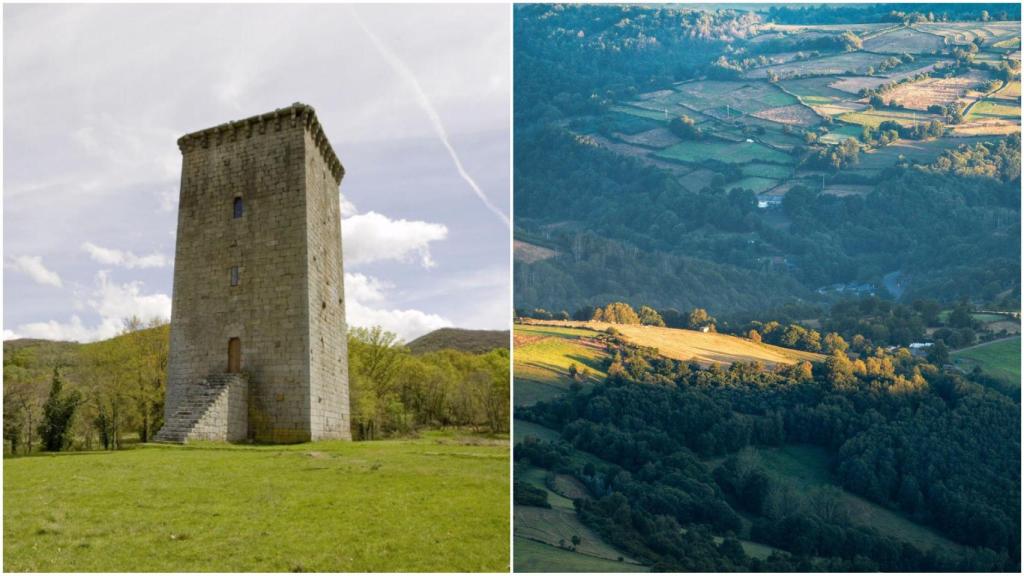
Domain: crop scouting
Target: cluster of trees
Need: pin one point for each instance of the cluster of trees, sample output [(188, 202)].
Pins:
[(684, 127), (61, 395), (936, 446), (394, 393), (834, 157)]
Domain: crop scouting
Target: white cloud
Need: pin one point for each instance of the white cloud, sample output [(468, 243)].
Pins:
[(365, 288), (33, 267), (373, 237), (10, 335), (113, 303), (347, 207), (361, 290), (124, 258)]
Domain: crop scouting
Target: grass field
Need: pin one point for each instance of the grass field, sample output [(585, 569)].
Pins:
[(531, 556), (439, 504), (729, 152), (1000, 358), (873, 118), (904, 40), (850, 62), (806, 467), (755, 184), (702, 347), (774, 171), (543, 355), (994, 109)]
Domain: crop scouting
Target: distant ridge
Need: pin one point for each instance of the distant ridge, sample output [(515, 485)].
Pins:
[(472, 341)]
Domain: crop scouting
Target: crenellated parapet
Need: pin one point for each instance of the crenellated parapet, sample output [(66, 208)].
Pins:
[(297, 114)]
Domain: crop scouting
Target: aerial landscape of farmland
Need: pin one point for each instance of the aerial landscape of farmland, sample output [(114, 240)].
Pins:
[(767, 288)]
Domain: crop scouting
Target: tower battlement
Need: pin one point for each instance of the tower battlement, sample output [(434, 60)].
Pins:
[(298, 114)]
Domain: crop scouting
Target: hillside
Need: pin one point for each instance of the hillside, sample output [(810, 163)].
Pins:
[(471, 341)]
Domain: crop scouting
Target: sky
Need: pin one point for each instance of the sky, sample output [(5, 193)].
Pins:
[(414, 99)]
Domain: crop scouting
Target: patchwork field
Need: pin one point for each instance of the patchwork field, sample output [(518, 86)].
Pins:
[(1001, 358), (438, 504)]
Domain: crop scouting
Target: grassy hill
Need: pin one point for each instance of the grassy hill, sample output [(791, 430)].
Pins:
[(1001, 358), (703, 347), (437, 504), (472, 341), (543, 355)]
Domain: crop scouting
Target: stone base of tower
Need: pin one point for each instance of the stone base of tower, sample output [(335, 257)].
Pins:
[(213, 409)]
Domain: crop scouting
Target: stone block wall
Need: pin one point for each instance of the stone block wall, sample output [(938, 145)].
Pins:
[(227, 418)]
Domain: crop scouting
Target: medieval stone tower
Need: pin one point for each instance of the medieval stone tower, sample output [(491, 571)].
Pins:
[(258, 334)]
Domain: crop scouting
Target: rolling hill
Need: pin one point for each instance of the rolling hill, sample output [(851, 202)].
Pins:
[(472, 341)]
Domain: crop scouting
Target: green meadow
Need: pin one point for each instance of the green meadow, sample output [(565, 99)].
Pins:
[(1000, 358), (438, 503)]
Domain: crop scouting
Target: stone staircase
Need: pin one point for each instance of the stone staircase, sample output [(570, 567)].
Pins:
[(203, 414)]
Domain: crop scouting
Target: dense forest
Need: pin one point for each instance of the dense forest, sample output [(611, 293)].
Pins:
[(932, 444), (110, 394), (622, 228)]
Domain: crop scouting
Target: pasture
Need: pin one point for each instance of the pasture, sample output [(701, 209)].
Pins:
[(1000, 358), (904, 40), (437, 504), (845, 63), (746, 97), (532, 556), (703, 347), (873, 118), (543, 355), (755, 184), (728, 152), (997, 109)]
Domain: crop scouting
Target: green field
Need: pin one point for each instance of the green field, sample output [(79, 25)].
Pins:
[(436, 504), (806, 467), (543, 355), (728, 152), (993, 109), (755, 184), (1000, 358), (840, 133), (767, 171), (533, 556), (873, 118)]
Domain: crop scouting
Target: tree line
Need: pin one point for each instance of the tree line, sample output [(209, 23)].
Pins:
[(110, 394)]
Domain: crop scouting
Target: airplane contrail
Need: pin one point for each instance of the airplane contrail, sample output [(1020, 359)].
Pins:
[(428, 107)]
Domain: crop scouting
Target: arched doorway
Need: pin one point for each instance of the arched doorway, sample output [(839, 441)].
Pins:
[(234, 356)]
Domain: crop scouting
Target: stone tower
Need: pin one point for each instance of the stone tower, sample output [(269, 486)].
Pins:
[(258, 334)]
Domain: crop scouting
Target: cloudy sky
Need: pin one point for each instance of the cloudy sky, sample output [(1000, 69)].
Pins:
[(95, 98)]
